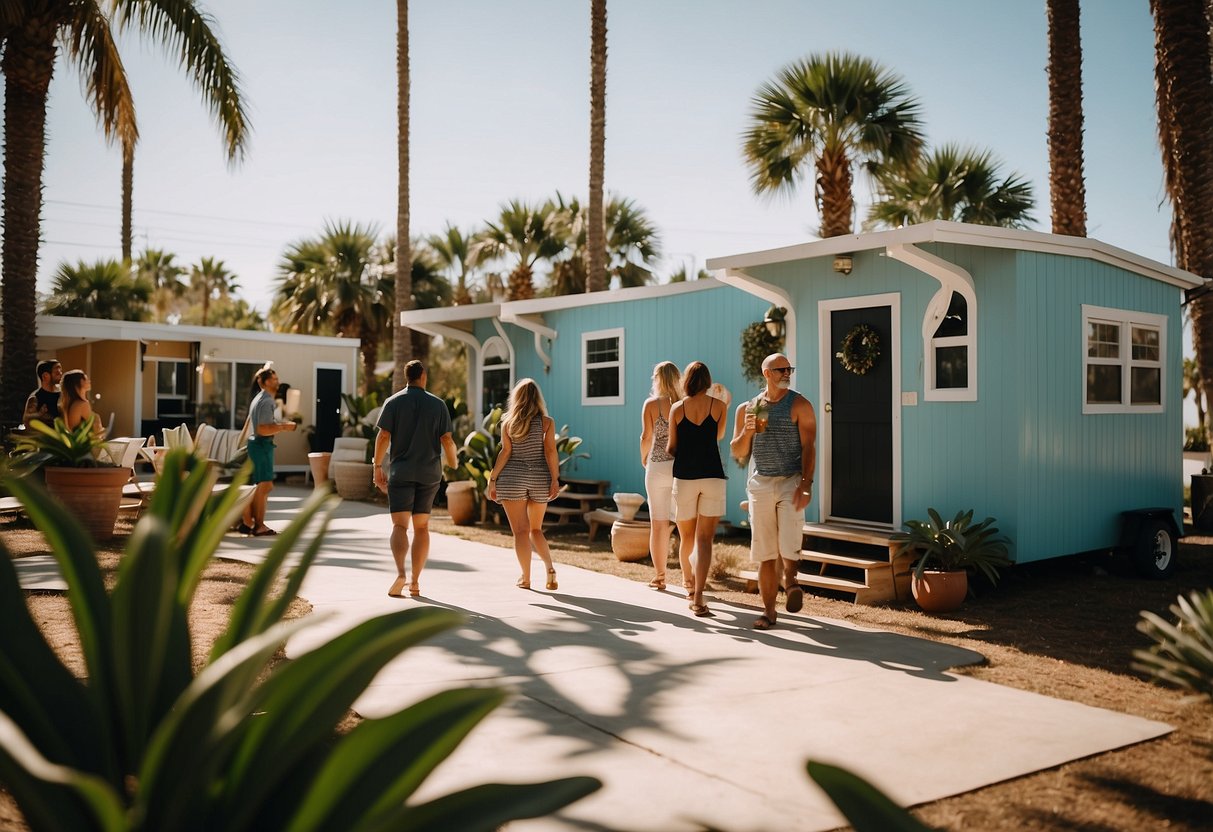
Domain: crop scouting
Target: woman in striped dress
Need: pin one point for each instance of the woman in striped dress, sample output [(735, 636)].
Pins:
[(527, 475), (659, 471)]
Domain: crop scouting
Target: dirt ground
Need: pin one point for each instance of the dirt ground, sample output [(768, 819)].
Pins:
[(1063, 628)]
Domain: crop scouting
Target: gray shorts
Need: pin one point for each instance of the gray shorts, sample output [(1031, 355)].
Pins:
[(414, 497)]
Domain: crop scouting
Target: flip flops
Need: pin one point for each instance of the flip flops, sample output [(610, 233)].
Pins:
[(264, 531), (523, 583), (414, 589), (763, 622), (658, 584), (702, 611), (795, 599), (243, 529)]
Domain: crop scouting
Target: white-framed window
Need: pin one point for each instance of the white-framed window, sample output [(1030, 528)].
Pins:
[(602, 367), (950, 369), (496, 375), (1122, 366)]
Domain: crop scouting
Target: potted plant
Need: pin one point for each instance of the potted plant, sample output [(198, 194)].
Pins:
[(89, 486), (946, 553)]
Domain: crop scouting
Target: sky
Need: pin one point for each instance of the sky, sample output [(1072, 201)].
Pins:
[(500, 110)]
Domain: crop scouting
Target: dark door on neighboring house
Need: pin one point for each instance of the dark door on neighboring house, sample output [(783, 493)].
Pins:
[(861, 423), (328, 407)]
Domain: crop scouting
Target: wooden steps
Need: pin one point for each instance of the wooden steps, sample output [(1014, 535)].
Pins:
[(849, 559)]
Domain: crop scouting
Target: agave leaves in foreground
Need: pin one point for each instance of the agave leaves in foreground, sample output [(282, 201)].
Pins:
[(1182, 654), (144, 743)]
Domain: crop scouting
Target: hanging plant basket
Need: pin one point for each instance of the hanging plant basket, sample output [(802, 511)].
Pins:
[(859, 349)]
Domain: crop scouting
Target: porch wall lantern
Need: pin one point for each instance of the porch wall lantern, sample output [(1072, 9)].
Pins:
[(843, 263), (773, 321)]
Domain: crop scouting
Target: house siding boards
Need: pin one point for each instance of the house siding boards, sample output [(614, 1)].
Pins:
[(702, 325), (1080, 470)]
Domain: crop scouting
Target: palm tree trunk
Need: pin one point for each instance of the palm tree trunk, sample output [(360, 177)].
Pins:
[(402, 351), (596, 277), (29, 61), (835, 202), (1067, 188), (128, 187), (1185, 121), (522, 283)]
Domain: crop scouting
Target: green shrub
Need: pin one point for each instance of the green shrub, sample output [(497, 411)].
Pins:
[(1182, 654), (144, 743)]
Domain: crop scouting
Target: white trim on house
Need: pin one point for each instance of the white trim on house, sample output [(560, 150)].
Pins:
[(952, 278), (1125, 320), (825, 356), (618, 364), (81, 330), (772, 294), (966, 234)]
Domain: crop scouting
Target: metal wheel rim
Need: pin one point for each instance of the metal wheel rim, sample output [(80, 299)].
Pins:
[(1162, 549)]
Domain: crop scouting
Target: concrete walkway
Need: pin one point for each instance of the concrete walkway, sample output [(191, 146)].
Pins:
[(687, 721)]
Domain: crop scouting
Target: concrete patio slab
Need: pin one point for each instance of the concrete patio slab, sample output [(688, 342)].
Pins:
[(687, 721)]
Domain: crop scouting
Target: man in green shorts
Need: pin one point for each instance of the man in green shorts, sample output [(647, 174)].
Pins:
[(262, 427)]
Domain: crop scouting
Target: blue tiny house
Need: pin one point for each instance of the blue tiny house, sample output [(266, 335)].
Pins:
[(1030, 377)]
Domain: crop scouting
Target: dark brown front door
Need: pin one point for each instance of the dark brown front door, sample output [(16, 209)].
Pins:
[(861, 423)]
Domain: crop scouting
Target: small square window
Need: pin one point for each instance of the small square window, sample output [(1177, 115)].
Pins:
[(1103, 340), (1145, 344), (1122, 361)]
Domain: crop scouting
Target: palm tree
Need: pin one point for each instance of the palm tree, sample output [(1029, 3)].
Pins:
[(1067, 190), (632, 244), (596, 278), (453, 251), (430, 289), (209, 281), (33, 33), (951, 183), (402, 351), (105, 289), (157, 267), (335, 284), (830, 113), (526, 232), (1192, 387), (128, 190), (1182, 79)]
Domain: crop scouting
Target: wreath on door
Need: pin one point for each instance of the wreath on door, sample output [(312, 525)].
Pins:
[(859, 349)]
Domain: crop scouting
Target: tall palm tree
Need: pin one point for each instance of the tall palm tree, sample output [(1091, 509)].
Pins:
[(402, 351), (526, 232), (105, 289), (632, 243), (828, 114), (453, 251), (596, 277), (128, 196), (951, 183), (1067, 189), (430, 289), (157, 267), (336, 284), (210, 280), (1182, 79), (33, 33)]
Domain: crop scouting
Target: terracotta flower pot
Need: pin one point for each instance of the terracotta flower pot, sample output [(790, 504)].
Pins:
[(353, 479), (92, 495), (940, 591), (630, 540), (461, 502), (319, 463)]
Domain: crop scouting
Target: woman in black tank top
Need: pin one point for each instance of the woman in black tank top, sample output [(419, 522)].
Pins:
[(697, 424)]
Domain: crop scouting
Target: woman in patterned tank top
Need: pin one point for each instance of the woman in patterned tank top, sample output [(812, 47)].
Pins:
[(659, 470), (527, 475)]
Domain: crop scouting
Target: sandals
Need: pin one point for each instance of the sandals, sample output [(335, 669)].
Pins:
[(701, 611), (763, 622), (264, 531), (243, 529), (795, 599), (551, 584), (523, 583), (658, 583), (414, 589)]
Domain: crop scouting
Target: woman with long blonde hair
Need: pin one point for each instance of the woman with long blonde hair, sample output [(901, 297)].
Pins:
[(659, 471), (527, 476), (74, 406)]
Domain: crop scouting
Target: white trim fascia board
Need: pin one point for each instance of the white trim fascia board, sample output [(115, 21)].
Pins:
[(474, 379), (771, 294), (532, 324), (541, 305), (450, 314), (57, 326), (960, 233)]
